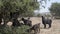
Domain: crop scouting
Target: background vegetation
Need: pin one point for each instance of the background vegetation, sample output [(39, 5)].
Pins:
[(55, 9), (13, 9)]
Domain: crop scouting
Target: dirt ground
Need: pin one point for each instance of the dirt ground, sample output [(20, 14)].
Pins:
[(55, 29)]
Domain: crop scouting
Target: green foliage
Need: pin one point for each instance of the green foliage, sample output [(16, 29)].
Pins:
[(17, 7), (14, 30), (38, 15), (55, 9), (20, 6)]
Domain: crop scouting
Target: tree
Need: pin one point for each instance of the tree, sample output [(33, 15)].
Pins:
[(38, 15), (13, 8), (55, 9)]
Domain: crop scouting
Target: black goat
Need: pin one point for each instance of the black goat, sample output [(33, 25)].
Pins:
[(16, 23), (46, 21), (27, 22)]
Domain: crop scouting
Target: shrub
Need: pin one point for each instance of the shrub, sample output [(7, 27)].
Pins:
[(14, 30)]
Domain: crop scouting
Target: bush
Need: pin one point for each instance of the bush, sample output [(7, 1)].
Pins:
[(14, 30)]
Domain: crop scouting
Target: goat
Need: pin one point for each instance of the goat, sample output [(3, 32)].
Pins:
[(46, 21), (16, 23), (27, 22), (35, 27)]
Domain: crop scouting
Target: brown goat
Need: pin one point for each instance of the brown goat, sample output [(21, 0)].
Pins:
[(36, 28)]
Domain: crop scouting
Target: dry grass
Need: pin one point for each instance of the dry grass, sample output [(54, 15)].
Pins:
[(55, 29)]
